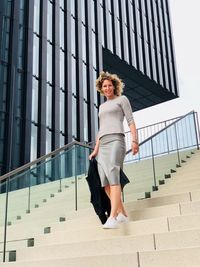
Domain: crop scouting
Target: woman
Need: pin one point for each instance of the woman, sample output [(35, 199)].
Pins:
[(110, 143)]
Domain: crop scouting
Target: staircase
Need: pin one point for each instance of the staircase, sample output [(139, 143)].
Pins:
[(163, 231)]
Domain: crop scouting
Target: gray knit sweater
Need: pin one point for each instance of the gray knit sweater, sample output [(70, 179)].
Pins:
[(111, 115)]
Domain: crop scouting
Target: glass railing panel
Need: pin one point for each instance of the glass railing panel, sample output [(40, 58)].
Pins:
[(139, 170), (2, 217), (6, 253), (51, 187), (164, 157), (2, 203), (165, 151), (17, 198), (81, 186), (186, 132)]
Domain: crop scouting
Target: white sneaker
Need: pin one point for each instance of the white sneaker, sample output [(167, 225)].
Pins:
[(121, 218), (111, 223)]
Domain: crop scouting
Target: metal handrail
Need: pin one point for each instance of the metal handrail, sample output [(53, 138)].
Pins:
[(152, 136), (14, 172), (42, 158), (154, 124)]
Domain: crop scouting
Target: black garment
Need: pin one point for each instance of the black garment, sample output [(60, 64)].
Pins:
[(99, 198)]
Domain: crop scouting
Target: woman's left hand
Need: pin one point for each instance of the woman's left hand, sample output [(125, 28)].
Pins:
[(135, 148)]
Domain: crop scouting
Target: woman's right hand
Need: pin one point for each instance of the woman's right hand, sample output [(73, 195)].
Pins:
[(92, 155)]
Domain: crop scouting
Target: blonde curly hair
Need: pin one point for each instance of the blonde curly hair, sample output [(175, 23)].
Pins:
[(116, 81)]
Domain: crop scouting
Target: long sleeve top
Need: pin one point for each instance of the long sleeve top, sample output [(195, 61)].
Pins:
[(111, 116)]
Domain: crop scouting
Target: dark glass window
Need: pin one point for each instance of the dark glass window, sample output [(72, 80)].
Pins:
[(49, 106), (116, 7), (133, 48), (35, 89), (85, 87), (73, 7), (62, 30), (8, 6), (123, 7), (62, 111), (19, 93), (126, 47), (140, 54), (3, 86), (21, 12), (94, 87), (118, 39), (2, 141), (102, 27), (83, 11), (62, 5), (83, 42), (155, 77), (49, 20), (92, 16), (74, 121), (73, 36), (62, 69), (85, 111), (5, 39), (48, 141), (73, 89), (96, 127), (35, 55), (62, 140), (110, 30), (34, 138), (21, 47), (36, 27), (94, 48), (108, 4), (49, 62)]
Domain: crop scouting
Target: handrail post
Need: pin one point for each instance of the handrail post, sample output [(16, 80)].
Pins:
[(167, 138), (178, 154), (6, 220), (75, 175), (29, 192), (153, 165), (196, 123)]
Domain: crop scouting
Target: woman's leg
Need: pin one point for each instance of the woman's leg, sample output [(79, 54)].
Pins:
[(107, 190), (121, 208), (115, 198)]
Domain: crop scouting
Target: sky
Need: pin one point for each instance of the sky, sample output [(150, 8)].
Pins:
[(185, 20)]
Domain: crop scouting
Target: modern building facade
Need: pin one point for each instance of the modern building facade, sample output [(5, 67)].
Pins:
[(51, 52)]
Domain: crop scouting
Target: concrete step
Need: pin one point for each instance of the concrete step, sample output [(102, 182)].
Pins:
[(160, 200), (111, 246), (14, 244), (174, 182), (187, 257), (181, 189), (184, 222), (190, 207), (155, 212), (128, 260), (178, 239), (156, 225), (88, 219), (162, 240)]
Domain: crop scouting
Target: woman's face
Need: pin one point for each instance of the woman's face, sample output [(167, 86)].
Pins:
[(108, 89)]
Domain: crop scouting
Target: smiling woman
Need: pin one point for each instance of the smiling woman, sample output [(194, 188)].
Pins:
[(110, 144)]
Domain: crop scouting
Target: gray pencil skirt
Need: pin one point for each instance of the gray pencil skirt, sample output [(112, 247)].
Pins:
[(111, 155)]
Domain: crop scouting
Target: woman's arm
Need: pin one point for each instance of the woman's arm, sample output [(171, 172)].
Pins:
[(134, 145), (95, 151)]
